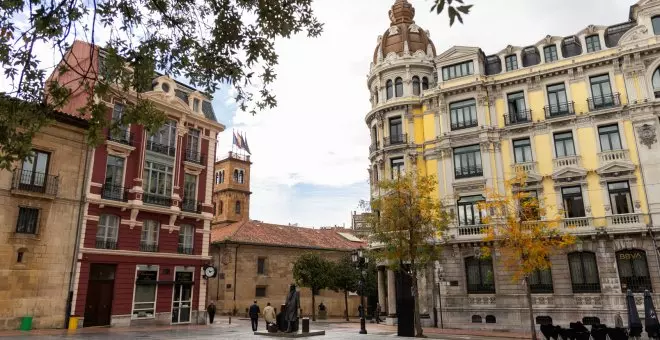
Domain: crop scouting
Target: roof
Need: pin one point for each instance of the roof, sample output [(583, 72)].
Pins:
[(260, 233)]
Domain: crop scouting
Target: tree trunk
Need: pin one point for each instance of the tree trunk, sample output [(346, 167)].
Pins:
[(313, 306), (418, 322), (531, 309), (346, 303)]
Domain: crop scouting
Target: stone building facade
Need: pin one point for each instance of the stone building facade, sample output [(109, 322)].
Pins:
[(578, 114), (40, 205), (231, 189)]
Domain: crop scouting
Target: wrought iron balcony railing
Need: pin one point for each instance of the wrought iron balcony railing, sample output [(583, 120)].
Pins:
[(396, 139), (541, 288), (114, 192), (481, 288), (181, 249), (604, 102), (106, 244), (463, 124), (30, 181), (586, 287), (149, 247), (122, 136), (160, 148), (194, 156), (468, 171), (165, 201), (518, 117), (559, 110), (190, 205)]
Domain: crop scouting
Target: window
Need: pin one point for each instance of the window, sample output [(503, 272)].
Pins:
[(396, 130), (261, 266), (415, 83), (550, 53), (376, 96), (557, 100), (219, 177), (655, 21), (189, 202), (458, 70), (113, 188), (573, 203), (463, 114), (425, 83), (27, 220), (374, 135), (593, 43), (20, 256), (530, 56), (467, 161), (540, 281), (522, 150), (620, 199), (122, 135), (601, 90), (529, 206), (34, 171), (237, 207), (196, 105), (192, 146), (149, 238), (516, 102), (397, 166), (633, 270), (479, 275), (389, 89), (220, 207), (564, 146), (238, 176), (511, 62), (656, 82), (157, 179), (186, 233), (117, 112), (571, 47), (584, 272), (107, 232), (260, 292), (398, 87), (164, 140), (609, 137), (468, 210), (144, 302)]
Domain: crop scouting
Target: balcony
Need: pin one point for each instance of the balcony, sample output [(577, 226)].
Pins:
[(396, 140), (540, 288), (625, 221), (122, 136), (191, 205), (35, 182), (468, 171), (521, 117), (114, 192), (567, 161), (463, 125), (373, 147), (149, 247), (106, 244), (184, 250), (160, 148), (559, 110), (194, 157), (577, 223), (525, 167), (610, 156), (165, 201), (472, 230), (604, 102)]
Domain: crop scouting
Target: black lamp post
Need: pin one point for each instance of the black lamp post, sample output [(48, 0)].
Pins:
[(360, 261)]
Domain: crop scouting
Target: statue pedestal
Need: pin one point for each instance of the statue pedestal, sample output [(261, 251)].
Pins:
[(323, 315)]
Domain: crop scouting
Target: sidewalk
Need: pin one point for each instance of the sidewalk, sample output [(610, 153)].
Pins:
[(431, 331)]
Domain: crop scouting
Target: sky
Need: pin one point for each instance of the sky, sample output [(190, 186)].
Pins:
[(310, 153)]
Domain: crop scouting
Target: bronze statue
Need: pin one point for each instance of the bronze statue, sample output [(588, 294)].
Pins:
[(292, 305)]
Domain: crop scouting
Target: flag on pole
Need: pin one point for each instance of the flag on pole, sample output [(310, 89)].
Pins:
[(245, 144), (235, 140)]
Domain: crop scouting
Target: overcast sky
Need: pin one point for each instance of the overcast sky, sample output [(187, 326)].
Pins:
[(310, 154)]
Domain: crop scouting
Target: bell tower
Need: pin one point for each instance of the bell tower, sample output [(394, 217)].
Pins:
[(231, 189)]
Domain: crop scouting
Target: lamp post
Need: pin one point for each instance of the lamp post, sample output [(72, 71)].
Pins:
[(360, 261)]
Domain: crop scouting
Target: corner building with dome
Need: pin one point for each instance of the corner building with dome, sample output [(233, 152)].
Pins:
[(579, 114)]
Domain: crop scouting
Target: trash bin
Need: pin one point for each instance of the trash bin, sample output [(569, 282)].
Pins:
[(26, 323), (73, 322)]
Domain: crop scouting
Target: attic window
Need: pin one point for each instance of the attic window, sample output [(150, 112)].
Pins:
[(165, 87), (196, 105)]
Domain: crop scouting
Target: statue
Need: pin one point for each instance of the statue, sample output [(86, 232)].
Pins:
[(292, 305), (323, 313)]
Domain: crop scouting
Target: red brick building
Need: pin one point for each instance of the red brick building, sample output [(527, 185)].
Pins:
[(145, 233)]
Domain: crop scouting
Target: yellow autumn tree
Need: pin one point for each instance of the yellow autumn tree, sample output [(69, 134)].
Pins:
[(524, 231), (406, 219)]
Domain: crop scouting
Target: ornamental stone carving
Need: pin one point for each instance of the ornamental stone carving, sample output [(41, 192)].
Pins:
[(482, 300), (394, 30), (647, 135), (413, 28)]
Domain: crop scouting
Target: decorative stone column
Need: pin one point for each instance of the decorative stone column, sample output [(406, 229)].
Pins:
[(382, 294), (391, 297)]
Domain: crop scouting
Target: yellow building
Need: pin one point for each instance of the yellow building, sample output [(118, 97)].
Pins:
[(577, 113)]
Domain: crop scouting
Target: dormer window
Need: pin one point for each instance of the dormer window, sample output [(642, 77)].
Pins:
[(196, 105), (593, 43), (458, 70), (550, 53), (511, 62)]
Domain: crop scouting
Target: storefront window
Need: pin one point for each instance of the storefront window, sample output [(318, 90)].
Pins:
[(144, 302)]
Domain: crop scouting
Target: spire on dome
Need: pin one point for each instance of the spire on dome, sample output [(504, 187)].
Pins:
[(402, 12)]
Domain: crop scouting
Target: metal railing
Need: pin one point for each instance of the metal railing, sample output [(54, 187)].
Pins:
[(373, 147), (190, 205), (604, 102), (165, 201), (613, 155), (184, 250), (586, 287), (122, 136), (396, 139), (160, 148), (636, 283), (525, 167), (468, 171), (566, 161), (114, 192), (463, 124), (559, 110), (541, 288), (106, 244), (518, 117), (25, 180), (149, 247), (194, 156), (481, 288)]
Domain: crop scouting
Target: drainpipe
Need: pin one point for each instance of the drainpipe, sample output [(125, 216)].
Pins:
[(76, 248)]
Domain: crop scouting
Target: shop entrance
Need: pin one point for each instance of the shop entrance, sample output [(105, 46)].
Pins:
[(100, 288), (182, 300)]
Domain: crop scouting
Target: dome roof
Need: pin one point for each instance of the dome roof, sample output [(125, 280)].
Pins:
[(403, 36)]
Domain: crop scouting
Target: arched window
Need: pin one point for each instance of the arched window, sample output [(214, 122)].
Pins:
[(540, 281), (240, 176), (415, 82), (633, 270), (222, 176), (584, 272), (655, 21), (398, 84), (390, 90), (476, 318), (479, 273), (425, 83), (238, 207), (656, 82), (235, 175), (220, 207), (491, 319)]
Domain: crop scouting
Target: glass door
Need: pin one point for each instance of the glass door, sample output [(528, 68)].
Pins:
[(182, 300)]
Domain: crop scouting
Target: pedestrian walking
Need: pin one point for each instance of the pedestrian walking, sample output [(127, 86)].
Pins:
[(211, 311), (254, 315), (269, 315), (378, 311)]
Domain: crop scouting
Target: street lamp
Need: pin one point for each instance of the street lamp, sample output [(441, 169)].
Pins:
[(360, 261)]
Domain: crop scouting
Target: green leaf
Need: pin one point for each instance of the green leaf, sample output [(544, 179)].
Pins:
[(464, 9)]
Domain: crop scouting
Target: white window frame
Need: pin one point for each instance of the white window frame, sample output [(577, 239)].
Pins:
[(133, 309), (171, 138), (105, 224), (150, 170), (191, 228), (150, 232)]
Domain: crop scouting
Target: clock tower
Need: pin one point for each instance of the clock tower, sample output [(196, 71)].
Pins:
[(231, 190)]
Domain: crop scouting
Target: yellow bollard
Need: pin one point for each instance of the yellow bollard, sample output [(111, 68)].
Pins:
[(73, 322)]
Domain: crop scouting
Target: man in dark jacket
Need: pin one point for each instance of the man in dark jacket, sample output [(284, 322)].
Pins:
[(254, 315), (211, 310)]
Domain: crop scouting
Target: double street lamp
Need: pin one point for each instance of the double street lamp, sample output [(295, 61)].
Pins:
[(361, 261)]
